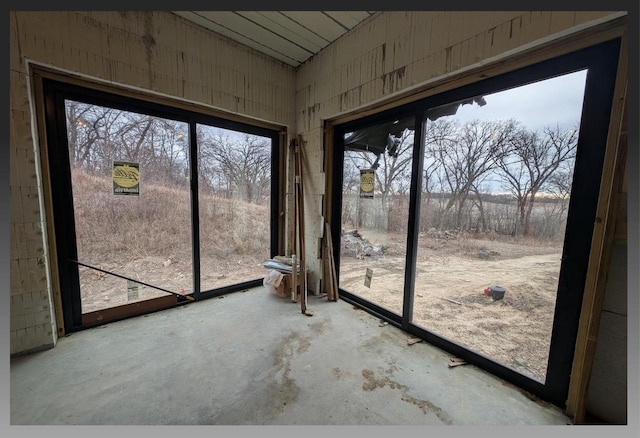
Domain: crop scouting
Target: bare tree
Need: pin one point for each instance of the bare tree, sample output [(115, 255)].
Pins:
[(88, 130), (466, 153), (99, 135), (392, 170), (529, 162), (244, 164)]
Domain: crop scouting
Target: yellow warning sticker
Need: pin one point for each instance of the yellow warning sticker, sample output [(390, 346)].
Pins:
[(126, 178), (367, 181)]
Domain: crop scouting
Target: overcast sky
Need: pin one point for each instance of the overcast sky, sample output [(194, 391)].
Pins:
[(545, 103)]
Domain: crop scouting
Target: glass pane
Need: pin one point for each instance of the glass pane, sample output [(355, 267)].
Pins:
[(496, 184), (375, 207), (130, 183), (235, 206)]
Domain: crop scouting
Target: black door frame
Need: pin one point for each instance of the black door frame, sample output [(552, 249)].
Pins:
[(601, 60), (54, 94)]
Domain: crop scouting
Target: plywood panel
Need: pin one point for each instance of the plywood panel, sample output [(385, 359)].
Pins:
[(314, 183), (14, 342), (14, 169), (501, 39), (23, 277), (25, 160), (399, 41), (465, 24), (21, 241), (30, 204), (440, 33)]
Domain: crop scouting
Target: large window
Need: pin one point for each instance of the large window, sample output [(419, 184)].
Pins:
[(467, 216), (143, 235), (375, 211), (234, 205), (154, 205), (496, 185)]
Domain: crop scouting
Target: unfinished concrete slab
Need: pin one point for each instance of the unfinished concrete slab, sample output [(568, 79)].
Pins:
[(252, 358)]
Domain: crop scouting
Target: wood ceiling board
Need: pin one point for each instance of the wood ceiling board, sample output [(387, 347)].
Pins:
[(267, 20), (317, 23), (205, 22), (257, 33), (359, 15), (345, 19), (296, 28)]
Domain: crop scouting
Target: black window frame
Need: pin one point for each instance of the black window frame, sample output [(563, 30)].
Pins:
[(55, 93), (601, 62)]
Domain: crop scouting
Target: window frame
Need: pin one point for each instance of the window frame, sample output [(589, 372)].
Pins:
[(601, 61)]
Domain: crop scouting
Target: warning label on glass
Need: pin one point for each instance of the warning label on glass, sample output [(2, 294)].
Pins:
[(367, 277), (132, 290), (126, 178), (367, 180)]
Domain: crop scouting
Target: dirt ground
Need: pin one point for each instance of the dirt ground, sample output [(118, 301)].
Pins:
[(449, 300)]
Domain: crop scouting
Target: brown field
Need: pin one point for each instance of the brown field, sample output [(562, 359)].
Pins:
[(514, 331)]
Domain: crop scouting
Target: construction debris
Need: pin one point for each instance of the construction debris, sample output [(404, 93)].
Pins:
[(330, 267), (355, 245), (298, 244), (456, 361), (412, 341)]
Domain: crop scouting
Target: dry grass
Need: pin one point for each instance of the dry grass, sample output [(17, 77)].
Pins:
[(158, 222), (148, 238)]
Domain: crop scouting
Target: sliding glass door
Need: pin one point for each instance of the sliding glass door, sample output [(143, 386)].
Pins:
[(131, 204), (375, 211), (154, 205), (234, 207), (467, 216), (496, 184)]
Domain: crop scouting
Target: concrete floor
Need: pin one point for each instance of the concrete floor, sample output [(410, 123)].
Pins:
[(252, 358)]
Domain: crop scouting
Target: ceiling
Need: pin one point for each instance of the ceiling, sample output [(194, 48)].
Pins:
[(290, 36)]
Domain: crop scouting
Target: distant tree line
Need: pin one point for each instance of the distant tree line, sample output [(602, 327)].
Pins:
[(466, 166), (230, 164)]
